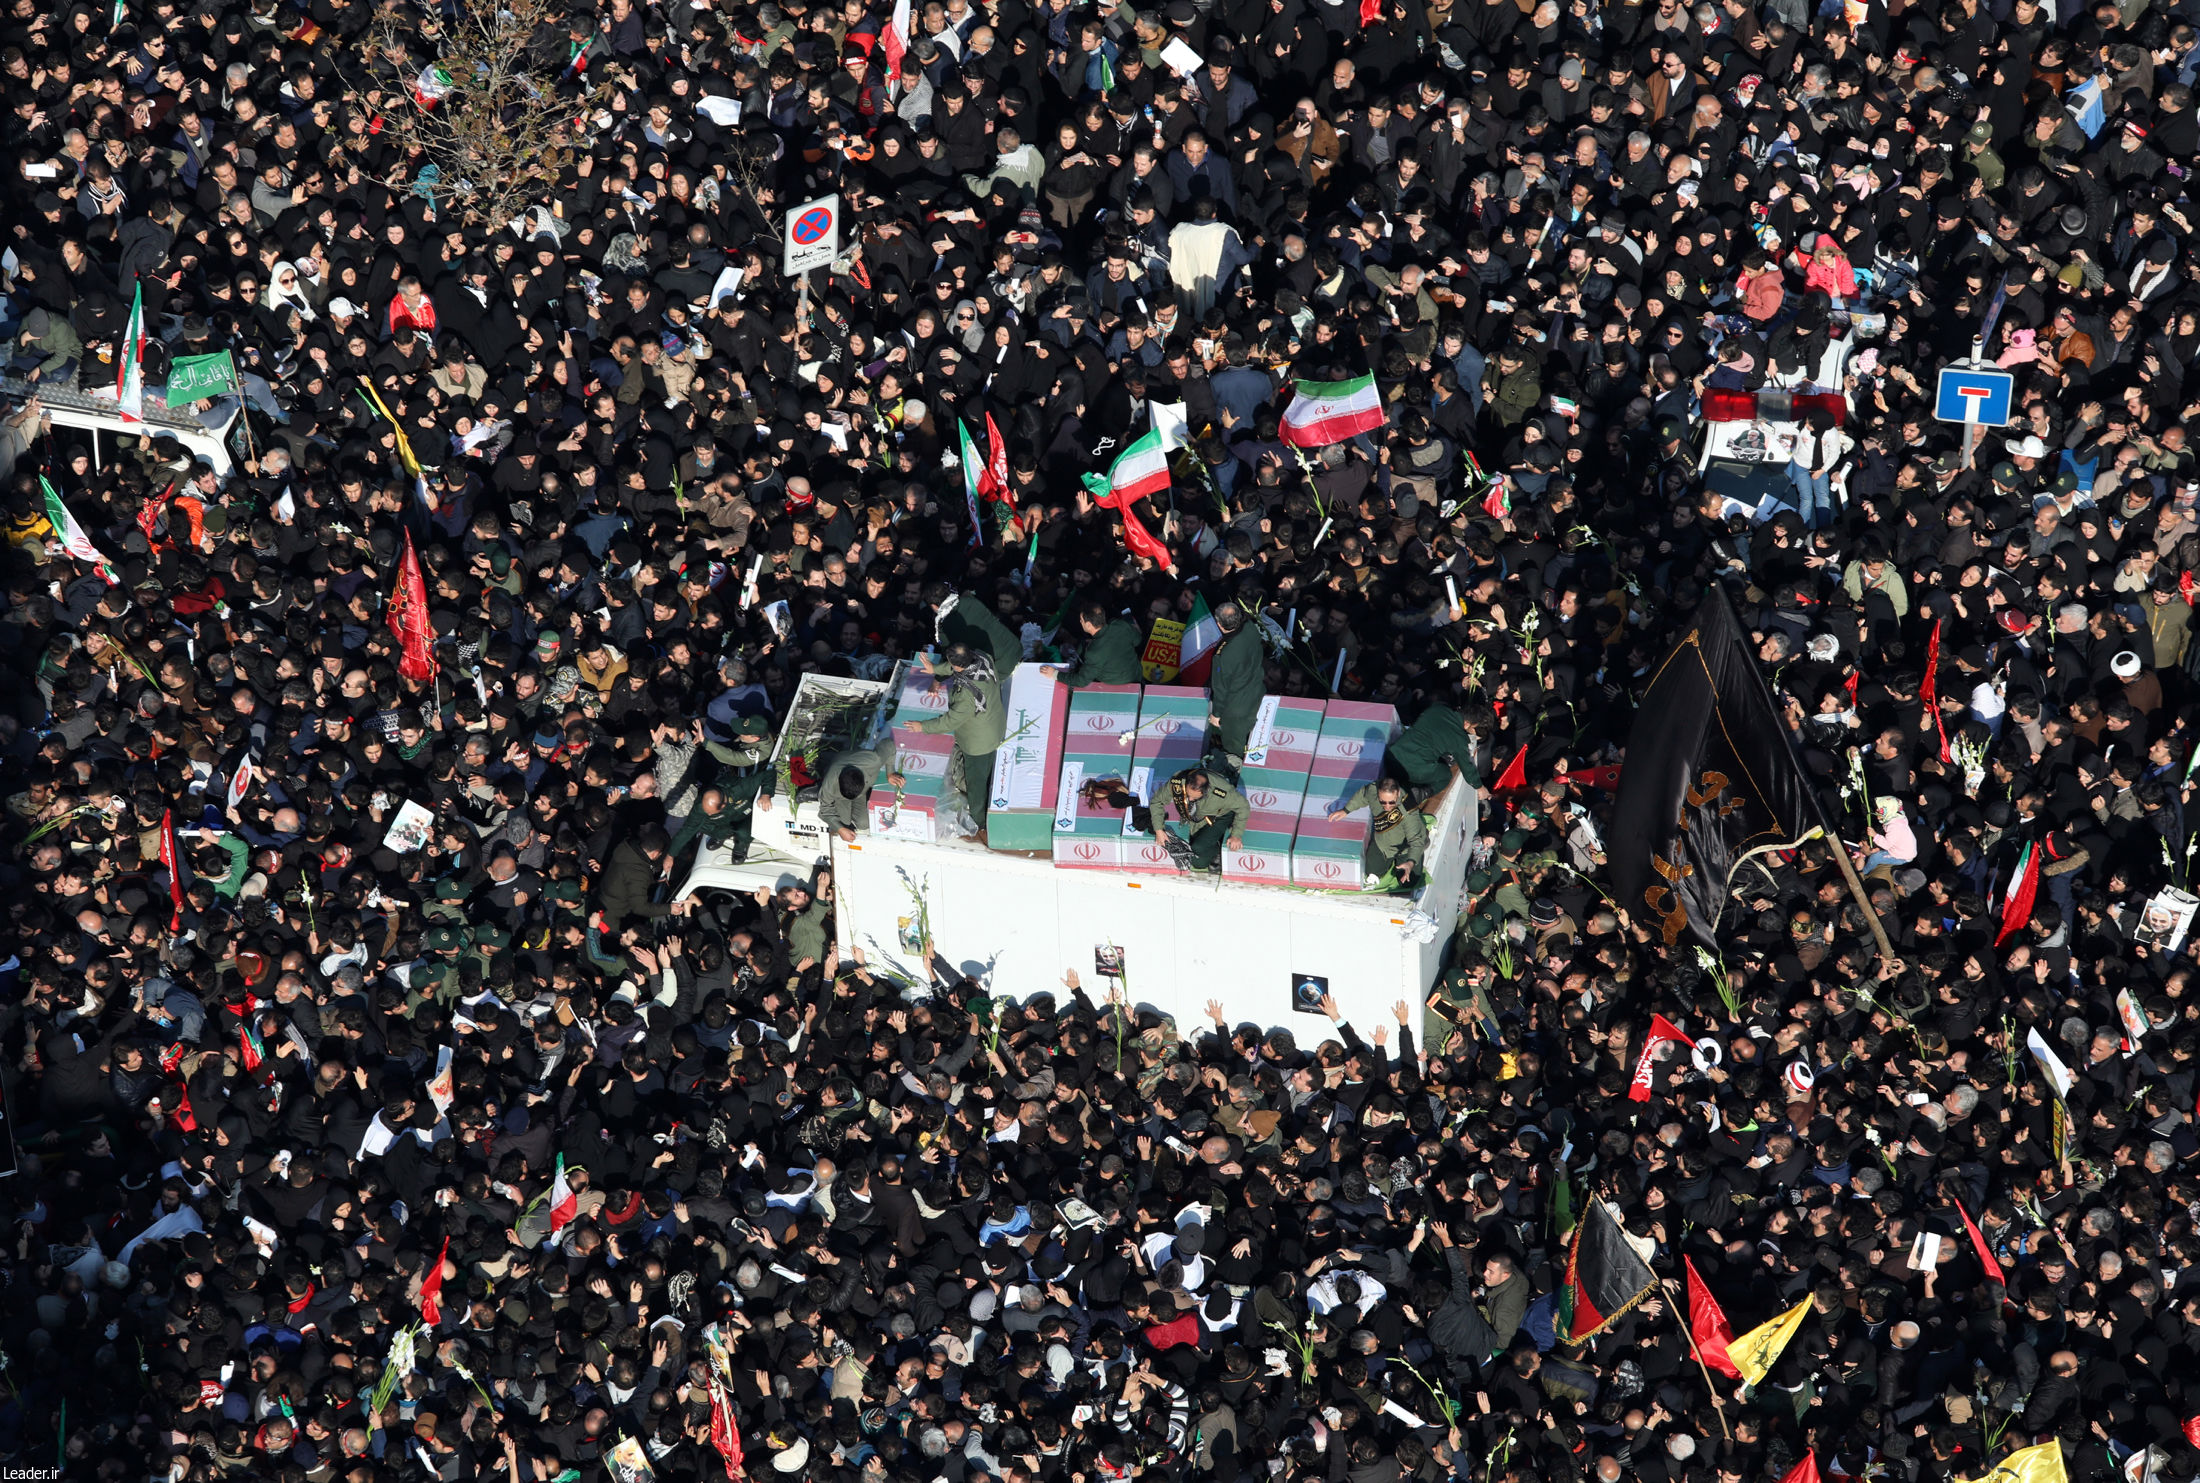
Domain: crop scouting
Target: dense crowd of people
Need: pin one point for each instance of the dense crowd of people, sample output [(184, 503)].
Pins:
[(376, 1110)]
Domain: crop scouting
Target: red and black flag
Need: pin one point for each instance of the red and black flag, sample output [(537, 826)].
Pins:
[(1710, 776), (1605, 1277)]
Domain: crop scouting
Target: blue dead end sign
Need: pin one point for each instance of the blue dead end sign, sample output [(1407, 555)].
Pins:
[(1977, 394)]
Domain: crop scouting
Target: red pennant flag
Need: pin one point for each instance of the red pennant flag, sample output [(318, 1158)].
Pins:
[(1661, 1031), (1805, 1471), (171, 858), (149, 514), (724, 1435), (2016, 911), (1371, 11), (1928, 693), (1978, 1244), (1707, 1324), (1515, 774), (993, 478), (431, 1288), (409, 618), (1135, 535), (2187, 589)]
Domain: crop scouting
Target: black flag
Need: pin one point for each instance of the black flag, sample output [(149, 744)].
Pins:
[(1709, 776), (1605, 1276)]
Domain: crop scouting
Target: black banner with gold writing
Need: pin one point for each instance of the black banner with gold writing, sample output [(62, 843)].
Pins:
[(1709, 776)]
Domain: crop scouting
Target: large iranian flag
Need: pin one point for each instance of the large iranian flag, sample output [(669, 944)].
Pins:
[(1142, 470), (1325, 412)]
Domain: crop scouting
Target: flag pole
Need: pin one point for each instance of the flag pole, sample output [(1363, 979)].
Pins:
[(1680, 1316), (1839, 850)]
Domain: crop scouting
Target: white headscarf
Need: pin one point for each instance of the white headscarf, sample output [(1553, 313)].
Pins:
[(295, 298)]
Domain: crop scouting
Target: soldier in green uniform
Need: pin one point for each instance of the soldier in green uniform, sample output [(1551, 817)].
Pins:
[(745, 778), (1397, 835), (1111, 651), (844, 797), (1212, 813), (1236, 683), (1437, 749), (963, 618), (978, 722)]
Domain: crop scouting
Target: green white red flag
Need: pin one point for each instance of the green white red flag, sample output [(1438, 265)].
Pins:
[(130, 373), (71, 535), (1325, 412)]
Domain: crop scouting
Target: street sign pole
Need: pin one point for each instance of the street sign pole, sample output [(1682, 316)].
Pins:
[(1970, 407)]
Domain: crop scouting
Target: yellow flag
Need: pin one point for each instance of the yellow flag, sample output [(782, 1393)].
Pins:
[(2041, 1464), (1755, 1352)]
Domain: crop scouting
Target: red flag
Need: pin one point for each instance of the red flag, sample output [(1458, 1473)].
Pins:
[(993, 478), (1135, 534), (2187, 590), (183, 1118), (724, 1435), (1371, 11), (409, 618), (1928, 693), (1805, 1471), (2016, 911), (1978, 1244), (171, 858), (431, 1288), (1515, 774), (1661, 1030), (149, 515), (1708, 1325)]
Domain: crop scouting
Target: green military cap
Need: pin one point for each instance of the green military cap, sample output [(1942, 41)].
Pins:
[(450, 888), (1511, 841), (1479, 881), (492, 937), (752, 726), (565, 893), (445, 939)]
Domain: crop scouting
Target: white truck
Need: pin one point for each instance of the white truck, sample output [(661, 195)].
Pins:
[(222, 444), (1016, 921)]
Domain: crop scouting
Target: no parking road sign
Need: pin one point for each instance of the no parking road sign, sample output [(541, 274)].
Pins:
[(1980, 395), (813, 235)]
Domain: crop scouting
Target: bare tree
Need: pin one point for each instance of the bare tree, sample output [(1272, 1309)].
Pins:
[(491, 100)]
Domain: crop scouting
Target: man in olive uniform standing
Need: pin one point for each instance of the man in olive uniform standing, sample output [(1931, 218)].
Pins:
[(746, 778), (1213, 813), (1111, 652), (978, 722), (1236, 683), (1397, 835)]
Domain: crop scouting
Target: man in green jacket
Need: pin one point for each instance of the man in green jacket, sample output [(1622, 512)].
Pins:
[(978, 721), (1419, 756), (1111, 651), (844, 797), (1236, 683)]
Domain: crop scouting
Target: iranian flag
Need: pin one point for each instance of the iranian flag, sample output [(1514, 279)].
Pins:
[(564, 1204), (70, 534), (1325, 412), (130, 374), (973, 470), (432, 86), (894, 40), (1142, 470), (1201, 636)]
